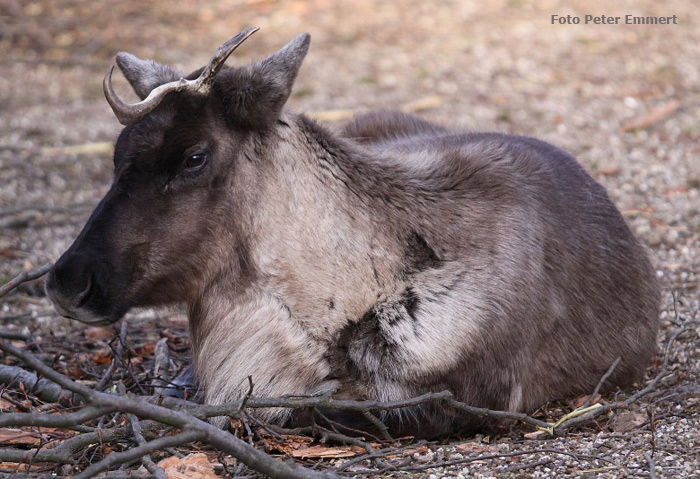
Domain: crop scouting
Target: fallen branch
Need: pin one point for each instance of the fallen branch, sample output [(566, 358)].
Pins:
[(191, 427), (45, 390)]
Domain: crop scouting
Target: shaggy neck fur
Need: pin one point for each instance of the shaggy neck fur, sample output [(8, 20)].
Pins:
[(316, 261)]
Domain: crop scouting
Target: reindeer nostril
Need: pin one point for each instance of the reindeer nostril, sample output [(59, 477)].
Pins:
[(84, 295)]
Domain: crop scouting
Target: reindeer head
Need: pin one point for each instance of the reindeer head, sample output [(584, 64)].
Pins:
[(186, 170)]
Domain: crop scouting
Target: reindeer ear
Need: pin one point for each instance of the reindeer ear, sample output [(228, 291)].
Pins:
[(144, 75), (282, 66), (254, 96)]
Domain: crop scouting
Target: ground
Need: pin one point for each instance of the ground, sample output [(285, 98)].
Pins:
[(623, 99)]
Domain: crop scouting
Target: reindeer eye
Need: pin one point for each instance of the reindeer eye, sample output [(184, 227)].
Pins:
[(194, 162)]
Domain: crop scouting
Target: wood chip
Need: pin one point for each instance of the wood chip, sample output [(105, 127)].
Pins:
[(98, 148), (421, 104), (18, 436), (192, 466), (679, 190), (13, 466), (331, 115), (654, 116), (611, 170)]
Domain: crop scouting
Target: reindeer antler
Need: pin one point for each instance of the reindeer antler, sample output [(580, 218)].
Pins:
[(128, 114)]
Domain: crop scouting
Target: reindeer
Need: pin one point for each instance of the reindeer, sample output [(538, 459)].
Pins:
[(391, 258)]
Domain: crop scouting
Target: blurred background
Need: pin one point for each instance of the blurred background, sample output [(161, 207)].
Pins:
[(624, 99)]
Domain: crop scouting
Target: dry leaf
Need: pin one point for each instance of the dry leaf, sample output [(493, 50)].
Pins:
[(627, 421), (417, 450), (146, 349), (322, 451), (102, 356), (476, 447), (193, 466), (581, 400), (99, 333), (6, 405)]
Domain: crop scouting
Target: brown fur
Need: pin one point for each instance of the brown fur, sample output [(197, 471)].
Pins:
[(390, 260)]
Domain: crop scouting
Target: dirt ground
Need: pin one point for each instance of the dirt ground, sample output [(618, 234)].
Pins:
[(624, 99)]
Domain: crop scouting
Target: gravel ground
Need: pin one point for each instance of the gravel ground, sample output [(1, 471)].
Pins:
[(624, 99)]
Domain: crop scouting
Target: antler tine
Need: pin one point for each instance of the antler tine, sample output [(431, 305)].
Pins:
[(129, 114), (206, 78)]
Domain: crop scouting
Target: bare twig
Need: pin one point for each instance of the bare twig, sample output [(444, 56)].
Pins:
[(117, 356), (661, 374), (342, 438), (23, 277), (14, 335), (244, 402), (344, 427), (67, 420), (376, 422), (161, 365), (154, 469), (600, 384), (652, 464)]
